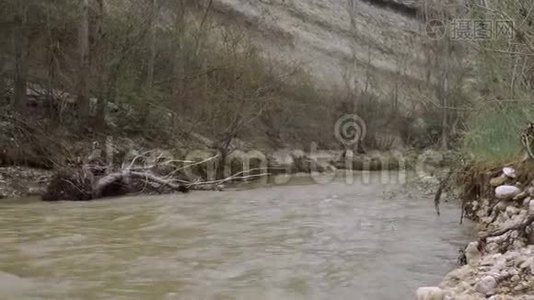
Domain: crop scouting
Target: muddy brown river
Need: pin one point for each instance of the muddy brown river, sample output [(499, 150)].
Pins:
[(366, 240)]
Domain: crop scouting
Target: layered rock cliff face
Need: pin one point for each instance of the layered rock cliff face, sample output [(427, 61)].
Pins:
[(372, 44)]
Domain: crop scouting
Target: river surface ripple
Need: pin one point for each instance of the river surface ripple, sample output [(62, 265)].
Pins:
[(300, 241)]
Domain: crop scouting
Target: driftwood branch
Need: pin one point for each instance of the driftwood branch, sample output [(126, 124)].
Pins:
[(158, 180), (439, 192), (233, 177)]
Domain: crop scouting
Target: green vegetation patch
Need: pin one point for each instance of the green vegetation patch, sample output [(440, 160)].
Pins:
[(493, 132)]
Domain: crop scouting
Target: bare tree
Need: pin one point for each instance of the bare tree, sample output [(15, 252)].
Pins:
[(445, 74), (102, 99), (179, 29), (152, 44), (443, 95), (21, 54), (51, 61), (353, 85), (84, 56)]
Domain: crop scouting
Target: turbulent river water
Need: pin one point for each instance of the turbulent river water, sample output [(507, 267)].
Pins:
[(369, 239)]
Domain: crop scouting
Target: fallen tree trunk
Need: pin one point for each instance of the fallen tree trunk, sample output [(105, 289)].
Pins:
[(111, 185), (94, 181), (82, 185), (85, 184)]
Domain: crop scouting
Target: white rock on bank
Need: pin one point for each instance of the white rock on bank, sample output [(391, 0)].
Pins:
[(512, 211), (531, 208), (499, 264), (492, 247), (506, 191), (472, 254), (526, 202), (430, 293), (466, 295), (509, 172), (528, 264), (486, 286)]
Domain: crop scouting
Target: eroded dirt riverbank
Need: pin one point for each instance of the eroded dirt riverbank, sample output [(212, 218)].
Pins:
[(499, 265)]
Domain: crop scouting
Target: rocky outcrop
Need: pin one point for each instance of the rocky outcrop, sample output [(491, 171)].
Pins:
[(372, 44), (500, 264)]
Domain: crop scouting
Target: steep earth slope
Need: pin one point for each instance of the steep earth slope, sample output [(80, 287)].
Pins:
[(368, 44)]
